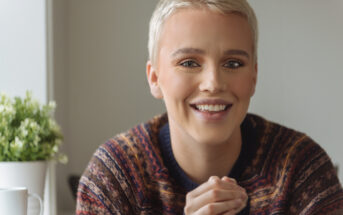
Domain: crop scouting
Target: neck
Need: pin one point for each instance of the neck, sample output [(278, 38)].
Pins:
[(202, 160)]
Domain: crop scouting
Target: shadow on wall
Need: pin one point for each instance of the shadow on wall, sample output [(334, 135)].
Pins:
[(73, 181)]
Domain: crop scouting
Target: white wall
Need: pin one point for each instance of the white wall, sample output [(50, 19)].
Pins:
[(23, 47), (101, 89), (100, 85), (300, 68)]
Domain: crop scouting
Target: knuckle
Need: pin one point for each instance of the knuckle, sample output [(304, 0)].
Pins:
[(242, 189), (215, 181), (213, 178), (187, 210), (238, 203), (233, 180), (245, 196), (210, 208), (232, 212), (215, 194), (189, 196)]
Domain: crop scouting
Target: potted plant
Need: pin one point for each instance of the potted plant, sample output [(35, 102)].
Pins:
[(29, 137)]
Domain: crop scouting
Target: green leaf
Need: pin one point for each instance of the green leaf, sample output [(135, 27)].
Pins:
[(28, 130)]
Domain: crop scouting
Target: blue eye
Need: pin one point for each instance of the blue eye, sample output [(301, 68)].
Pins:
[(233, 64), (189, 63)]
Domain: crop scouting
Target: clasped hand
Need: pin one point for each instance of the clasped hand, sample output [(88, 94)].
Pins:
[(216, 197)]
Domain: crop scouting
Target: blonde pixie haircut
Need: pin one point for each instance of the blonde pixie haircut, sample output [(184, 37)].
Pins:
[(166, 8)]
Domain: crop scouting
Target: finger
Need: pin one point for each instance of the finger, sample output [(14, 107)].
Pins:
[(193, 203), (215, 195), (232, 212), (213, 182), (220, 207), (204, 186), (245, 198), (232, 180), (218, 195), (245, 202), (235, 210), (211, 191)]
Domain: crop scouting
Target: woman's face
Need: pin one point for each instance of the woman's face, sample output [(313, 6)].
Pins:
[(206, 74)]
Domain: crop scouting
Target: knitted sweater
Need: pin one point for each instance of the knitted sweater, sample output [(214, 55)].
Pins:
[(285, 172)]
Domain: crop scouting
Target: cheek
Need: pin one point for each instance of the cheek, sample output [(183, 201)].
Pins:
[(176, 85), (243, 87)]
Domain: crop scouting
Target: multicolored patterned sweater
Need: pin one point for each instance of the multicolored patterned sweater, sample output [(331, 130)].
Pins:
[(285, 172)]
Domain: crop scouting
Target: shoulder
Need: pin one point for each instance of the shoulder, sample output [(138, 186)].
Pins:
[(269, 130), (283, 148), (123, 167), (280, 141), (134, 154), (295, 169), (135, 147)]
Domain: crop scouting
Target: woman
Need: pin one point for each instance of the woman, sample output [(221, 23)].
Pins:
[(207, 155)]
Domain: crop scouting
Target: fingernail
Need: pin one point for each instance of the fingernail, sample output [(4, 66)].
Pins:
[(233, 180), (225, 178), (239, 201), (213, 178)]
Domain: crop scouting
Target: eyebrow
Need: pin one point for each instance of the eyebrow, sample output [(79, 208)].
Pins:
[(188, 51), (200, 51), (237, 52)]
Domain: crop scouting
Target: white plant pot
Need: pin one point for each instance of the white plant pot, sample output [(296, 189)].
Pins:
[(30, 174)]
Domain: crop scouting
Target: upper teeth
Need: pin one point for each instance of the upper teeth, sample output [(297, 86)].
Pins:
[(211, 107)]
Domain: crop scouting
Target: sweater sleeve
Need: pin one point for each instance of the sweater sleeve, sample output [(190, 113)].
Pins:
[(316, 188), (100, 191)]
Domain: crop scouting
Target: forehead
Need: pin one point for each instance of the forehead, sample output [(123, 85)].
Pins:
[(207, 30)]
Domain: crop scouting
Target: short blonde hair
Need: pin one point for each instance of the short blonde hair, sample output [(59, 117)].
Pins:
[(166, 8)]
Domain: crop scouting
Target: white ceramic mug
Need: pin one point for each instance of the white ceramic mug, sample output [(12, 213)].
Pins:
[(13, 200)]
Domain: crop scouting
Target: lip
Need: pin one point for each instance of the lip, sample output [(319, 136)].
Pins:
[(211, 116), (211, 102)]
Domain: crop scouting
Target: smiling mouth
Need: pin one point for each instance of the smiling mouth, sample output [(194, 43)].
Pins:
[(211, 108)]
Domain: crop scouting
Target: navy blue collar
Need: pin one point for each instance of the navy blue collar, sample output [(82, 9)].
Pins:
[(180, 176)]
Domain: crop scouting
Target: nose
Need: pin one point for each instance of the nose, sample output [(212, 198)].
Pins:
[(212, 81)]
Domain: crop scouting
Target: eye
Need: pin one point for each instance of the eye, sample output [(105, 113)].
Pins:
[(189, 63), (233, 64)]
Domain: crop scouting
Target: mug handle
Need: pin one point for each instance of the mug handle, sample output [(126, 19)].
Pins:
[(36, 196)]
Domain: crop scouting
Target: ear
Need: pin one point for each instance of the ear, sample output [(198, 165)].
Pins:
[(152, 77), (254, 79)]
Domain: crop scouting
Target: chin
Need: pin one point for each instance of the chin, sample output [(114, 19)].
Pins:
[(213, 138)]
